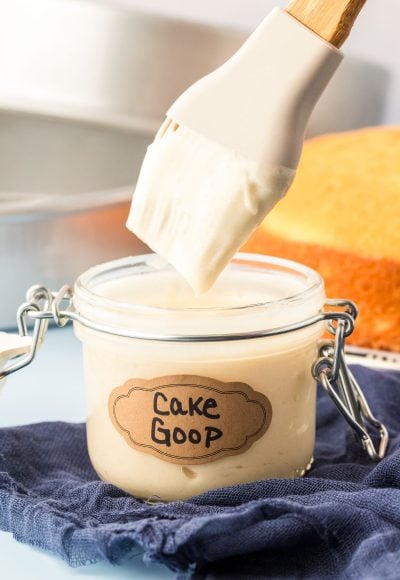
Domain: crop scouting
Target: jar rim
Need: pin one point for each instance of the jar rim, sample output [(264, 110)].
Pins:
[(84, 292)]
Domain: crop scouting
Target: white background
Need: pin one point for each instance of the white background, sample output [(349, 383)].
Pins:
[(376, 35)]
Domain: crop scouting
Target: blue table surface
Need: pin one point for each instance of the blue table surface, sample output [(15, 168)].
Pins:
[(45, 392)]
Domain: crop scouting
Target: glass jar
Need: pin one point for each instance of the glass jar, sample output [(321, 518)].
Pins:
[(255, 294), (188, 394)]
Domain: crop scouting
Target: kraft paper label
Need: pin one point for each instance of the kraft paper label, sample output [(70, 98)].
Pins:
[(189, 419)]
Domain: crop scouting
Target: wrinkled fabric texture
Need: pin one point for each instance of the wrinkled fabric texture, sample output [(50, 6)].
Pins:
[(341, 521)]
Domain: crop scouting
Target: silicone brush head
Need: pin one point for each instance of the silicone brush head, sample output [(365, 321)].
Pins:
[(229, 149)]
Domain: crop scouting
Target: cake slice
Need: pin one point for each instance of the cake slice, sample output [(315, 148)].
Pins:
[(342, 218)]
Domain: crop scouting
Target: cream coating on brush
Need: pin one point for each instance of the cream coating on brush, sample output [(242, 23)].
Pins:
[(229, 147), (235, 191)]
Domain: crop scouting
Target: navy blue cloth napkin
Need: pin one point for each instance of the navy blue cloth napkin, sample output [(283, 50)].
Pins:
[(341, 521)]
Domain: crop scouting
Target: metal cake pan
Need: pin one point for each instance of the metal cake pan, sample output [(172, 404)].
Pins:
[(105, 64), (83, 88), (64, 193), (81, 59)]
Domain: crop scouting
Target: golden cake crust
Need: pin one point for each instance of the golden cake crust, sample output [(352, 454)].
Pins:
[(342, 218), (373, 284)]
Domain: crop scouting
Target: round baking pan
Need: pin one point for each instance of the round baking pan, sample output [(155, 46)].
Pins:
[(105, 64), (84, 86), (64, 194)]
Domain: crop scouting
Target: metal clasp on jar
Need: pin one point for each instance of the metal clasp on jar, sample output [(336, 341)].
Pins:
[(332, 372), (330, 369)]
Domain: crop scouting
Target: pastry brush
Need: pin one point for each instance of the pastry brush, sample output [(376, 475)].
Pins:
[(229, 147)]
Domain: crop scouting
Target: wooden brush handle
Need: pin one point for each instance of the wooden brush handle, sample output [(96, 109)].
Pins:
[(330, 19)]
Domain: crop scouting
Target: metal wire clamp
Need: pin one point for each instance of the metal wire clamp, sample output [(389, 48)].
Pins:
[(334, 375)]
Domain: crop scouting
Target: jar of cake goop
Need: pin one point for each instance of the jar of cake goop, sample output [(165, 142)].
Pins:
[(188, 394)]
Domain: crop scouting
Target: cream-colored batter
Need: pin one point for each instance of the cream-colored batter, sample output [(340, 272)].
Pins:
[(199, 197), (278, 367)]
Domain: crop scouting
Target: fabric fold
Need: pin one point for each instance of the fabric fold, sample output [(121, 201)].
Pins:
[(340, 521)]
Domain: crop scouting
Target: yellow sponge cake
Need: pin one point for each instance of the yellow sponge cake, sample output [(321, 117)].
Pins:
[(342, 218)]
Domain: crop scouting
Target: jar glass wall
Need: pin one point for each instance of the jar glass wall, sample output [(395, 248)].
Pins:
[(182, 336)]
